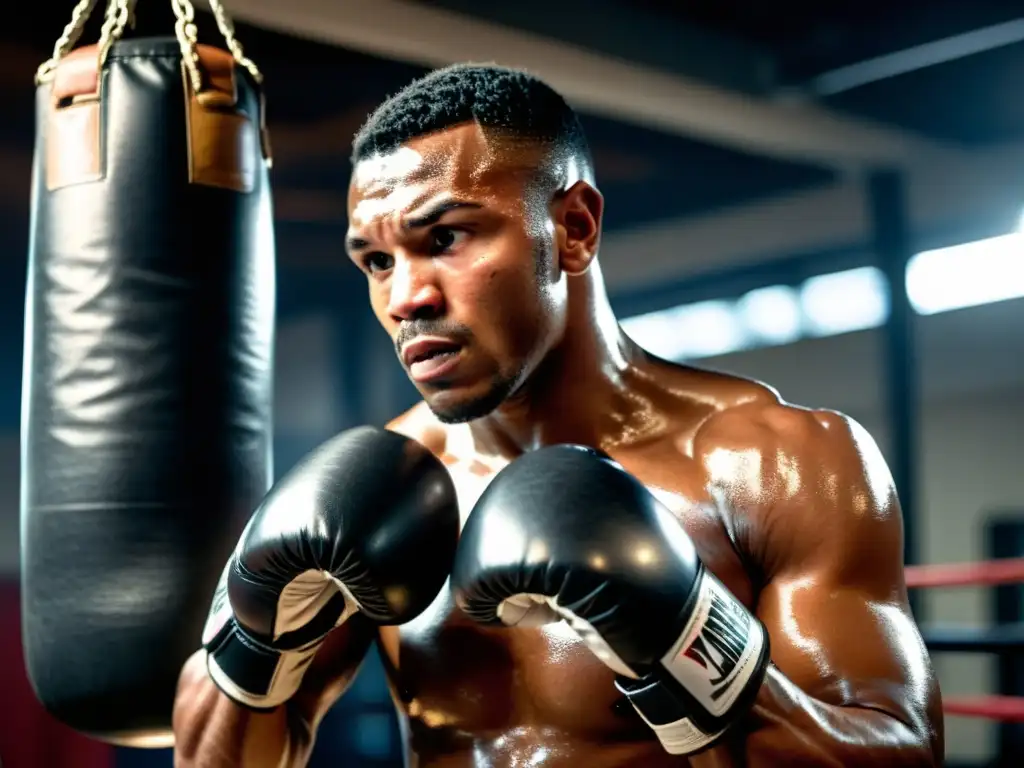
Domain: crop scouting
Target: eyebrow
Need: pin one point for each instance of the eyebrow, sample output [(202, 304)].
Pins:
[(434, 215), (431, 217)]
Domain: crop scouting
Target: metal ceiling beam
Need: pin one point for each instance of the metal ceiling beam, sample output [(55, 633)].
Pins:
[(598, 83), (967, 193), (919, 57)]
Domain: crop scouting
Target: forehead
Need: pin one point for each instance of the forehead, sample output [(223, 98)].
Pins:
[(461, 162)]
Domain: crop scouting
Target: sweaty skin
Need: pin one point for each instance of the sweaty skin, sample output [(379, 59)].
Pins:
[(792, 509)]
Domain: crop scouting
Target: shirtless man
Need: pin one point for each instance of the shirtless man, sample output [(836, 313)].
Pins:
[(475, 216)]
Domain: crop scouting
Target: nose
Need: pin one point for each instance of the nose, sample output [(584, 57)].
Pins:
[(414, 292)]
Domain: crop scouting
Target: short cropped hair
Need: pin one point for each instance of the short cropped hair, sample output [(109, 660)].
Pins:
[(508, 102)]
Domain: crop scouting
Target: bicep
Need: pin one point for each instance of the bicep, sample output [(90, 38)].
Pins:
[(841, 627), (835, 603), (847, 645)]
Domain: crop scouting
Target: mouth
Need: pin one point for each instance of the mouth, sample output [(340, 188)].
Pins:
[(430, 358)]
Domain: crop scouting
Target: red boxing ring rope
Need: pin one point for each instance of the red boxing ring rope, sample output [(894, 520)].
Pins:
[(987, 574), (1003, 709), (1006, 709)]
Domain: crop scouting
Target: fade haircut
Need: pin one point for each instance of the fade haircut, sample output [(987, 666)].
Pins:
[(505, 102)]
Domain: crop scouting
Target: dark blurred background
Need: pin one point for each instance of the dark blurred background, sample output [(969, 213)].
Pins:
[(825, 196)]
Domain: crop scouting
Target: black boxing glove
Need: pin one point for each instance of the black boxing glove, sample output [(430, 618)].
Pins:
[(565, 533), (367, 523)]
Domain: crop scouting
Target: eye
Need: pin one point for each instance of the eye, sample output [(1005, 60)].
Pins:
[(445, 240), (378, 262)]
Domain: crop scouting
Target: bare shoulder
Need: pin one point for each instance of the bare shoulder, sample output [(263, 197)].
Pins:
[(797, 429), (419, 424), (806, 440), (741, 429), (810, 482)]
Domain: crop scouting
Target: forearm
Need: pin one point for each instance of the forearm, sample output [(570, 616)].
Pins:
[(789, 727), (211, 731)]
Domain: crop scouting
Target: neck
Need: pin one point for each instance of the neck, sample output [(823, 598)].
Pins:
[(583, 391)]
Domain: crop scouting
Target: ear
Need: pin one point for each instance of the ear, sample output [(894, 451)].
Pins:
[(577, 219)]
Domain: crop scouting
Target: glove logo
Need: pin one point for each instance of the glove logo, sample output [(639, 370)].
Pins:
[(719, 650), (719, 646)]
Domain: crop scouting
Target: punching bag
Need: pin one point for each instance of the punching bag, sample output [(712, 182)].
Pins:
[(146, 406)]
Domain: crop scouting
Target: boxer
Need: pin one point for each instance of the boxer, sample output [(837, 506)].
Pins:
[(644, 536)]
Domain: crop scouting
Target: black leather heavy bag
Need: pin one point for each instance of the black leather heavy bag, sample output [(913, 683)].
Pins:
[(147, 374)]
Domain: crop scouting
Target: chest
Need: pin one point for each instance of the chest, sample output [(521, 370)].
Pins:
[(450, 673)]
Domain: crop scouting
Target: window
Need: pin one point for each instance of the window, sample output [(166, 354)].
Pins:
[(772, 315), (940, 280), (967, 275), (845, 301)]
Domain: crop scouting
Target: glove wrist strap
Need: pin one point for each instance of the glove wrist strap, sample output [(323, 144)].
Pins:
[(252, 674), (709, 678)]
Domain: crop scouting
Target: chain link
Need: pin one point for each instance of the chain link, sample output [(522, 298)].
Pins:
[(188, 38), (119, 13), (72, 32), (227, 29)]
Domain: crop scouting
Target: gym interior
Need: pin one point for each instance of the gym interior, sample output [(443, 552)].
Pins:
[(826, 198)]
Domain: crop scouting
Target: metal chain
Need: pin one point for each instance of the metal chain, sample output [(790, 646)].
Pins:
[(188, 38), (227, 28), (72, 32), (120, 13)]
